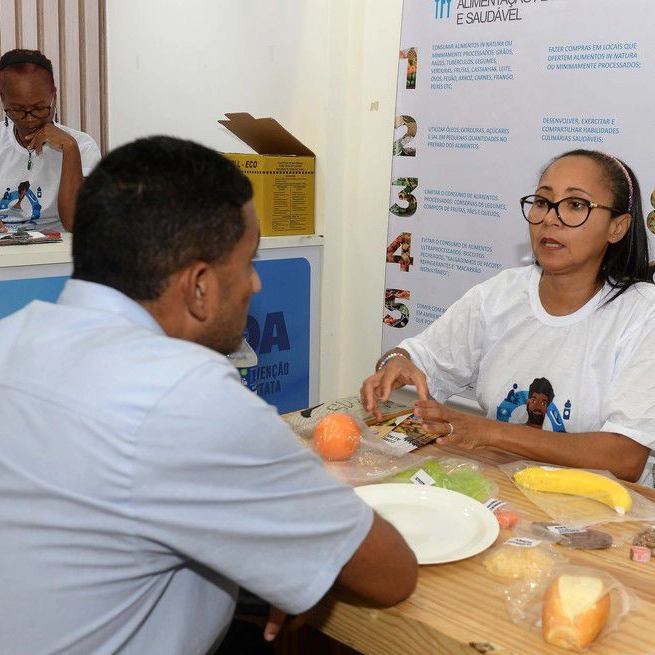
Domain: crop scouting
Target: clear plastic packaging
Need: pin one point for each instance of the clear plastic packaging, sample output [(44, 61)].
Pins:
[(506, 514), (372, 460), (245, 361), (574, 538), (585, 498), (523, 557), (525, 602), (454, 473)]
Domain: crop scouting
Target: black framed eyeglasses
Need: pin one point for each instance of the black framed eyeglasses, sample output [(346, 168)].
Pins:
[(572, 212), (37, 112)]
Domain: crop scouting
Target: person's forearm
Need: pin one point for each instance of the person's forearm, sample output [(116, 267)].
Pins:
[(620, 455), (616, 453), (383, 570), (69, 184)]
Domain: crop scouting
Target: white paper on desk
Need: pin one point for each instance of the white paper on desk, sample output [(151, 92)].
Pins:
[(33, 234)]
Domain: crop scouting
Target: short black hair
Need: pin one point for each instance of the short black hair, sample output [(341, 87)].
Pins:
[(542, 386), (24, 61), (152, 207)]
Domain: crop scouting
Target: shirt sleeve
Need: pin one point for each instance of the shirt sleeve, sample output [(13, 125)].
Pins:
[(222, 480), (628, 405), (89, 154), (449, 350)]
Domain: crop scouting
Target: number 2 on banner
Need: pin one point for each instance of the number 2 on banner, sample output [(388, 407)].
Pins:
[(400, 312), (401, 144), (402, 242), (408, 184)]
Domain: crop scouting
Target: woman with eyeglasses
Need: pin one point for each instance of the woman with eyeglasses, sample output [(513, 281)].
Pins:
[(47, 161), (560, 353)]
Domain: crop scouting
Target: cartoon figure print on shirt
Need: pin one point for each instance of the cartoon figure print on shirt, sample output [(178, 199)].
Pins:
[(20, 205), (533, 406)]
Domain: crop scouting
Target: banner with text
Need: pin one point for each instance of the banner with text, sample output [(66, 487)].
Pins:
[(488, 92)]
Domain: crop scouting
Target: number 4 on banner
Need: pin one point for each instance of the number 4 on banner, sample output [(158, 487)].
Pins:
[(402, 242)]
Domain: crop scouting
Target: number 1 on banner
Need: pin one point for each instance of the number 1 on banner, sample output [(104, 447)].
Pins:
[(412, 64), (402, 243)]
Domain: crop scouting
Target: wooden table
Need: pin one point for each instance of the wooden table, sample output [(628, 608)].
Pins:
[(459, 608)]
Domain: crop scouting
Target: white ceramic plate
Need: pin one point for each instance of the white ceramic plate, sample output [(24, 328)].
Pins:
[(438, 524)]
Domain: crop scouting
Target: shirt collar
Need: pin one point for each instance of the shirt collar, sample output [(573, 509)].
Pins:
[(91, 295)]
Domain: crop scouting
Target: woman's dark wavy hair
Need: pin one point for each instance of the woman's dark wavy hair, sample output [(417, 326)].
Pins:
[(625, 262), (152, 207)]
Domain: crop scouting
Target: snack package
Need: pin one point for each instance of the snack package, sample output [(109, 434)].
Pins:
[(408, 434), (303, 422), (572, 608), (522, 557), (351, 451), (507, 515), (454, 473), (578, 497), (574, 538)]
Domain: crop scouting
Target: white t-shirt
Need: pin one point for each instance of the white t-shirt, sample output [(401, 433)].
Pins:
[(599, 361), (29, 196)]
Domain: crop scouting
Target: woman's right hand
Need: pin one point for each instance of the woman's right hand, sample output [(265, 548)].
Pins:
[(396, 373)]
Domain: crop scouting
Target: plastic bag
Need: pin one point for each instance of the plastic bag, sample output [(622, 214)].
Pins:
[(506, 514), (371, 460), (578, 510), (573, 538), (454, 473), (522, 557), (525, 600)]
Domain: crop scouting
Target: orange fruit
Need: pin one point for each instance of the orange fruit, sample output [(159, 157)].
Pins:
[(337, 436)]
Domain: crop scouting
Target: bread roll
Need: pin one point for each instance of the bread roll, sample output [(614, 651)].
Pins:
[(575, 610)]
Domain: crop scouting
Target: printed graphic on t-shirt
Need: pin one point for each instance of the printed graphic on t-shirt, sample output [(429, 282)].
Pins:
[(20, 205), (533, 406)]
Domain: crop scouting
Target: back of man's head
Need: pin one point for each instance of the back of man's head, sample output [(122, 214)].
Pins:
[(152, 207)]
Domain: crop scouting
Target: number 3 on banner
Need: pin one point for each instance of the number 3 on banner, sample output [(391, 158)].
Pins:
[(395, 320), (402, 242), (408, 184)]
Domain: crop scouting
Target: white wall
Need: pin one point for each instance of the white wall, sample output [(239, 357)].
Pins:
[(326, 70)]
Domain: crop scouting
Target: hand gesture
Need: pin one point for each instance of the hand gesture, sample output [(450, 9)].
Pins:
[(53, 136), (455, 428), (395, 373)]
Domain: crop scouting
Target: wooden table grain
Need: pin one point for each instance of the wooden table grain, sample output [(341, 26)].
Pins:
[(459, 608)]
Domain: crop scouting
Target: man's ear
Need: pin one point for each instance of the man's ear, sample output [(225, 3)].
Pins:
[(619, 228), (196, 282)]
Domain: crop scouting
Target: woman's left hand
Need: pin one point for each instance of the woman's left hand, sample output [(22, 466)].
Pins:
[(454, 428), (53, 136)]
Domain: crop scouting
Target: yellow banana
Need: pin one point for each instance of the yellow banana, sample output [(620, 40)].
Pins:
[(576, 482)]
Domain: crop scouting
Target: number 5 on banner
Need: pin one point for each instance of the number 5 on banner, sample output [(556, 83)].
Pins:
[(408, 184), (390, 296), (402, 242)]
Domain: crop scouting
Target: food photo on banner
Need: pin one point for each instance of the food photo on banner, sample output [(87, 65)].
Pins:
[(487, 93)]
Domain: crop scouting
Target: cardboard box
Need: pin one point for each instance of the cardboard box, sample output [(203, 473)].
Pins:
[(282, 174)]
